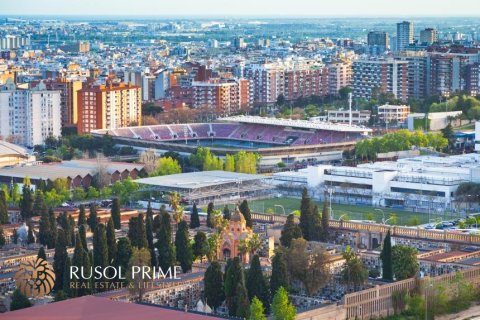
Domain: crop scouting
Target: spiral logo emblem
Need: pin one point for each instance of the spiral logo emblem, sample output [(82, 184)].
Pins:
[(35, 278)]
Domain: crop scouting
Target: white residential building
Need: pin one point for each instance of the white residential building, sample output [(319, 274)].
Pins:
[(28, 117), (393, 113), (343, 116)]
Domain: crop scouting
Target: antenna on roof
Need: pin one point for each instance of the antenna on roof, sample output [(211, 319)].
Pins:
[(350, 108)]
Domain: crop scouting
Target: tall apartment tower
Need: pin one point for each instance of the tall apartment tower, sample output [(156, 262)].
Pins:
[(108, 106), (378, 42), (404, 35), (339, 76), (68, 93), (387, 75), (28, 117), (428, 36)]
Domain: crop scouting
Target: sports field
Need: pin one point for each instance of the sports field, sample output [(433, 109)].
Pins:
[(348, 212)]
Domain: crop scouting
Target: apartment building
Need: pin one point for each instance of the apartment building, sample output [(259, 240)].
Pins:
[(225, 96), (339, 76), (343, 116), (404, 35), (28, 117), (68, 98), (385, 75), (108, 106), (378, 42), (393, 114), (428, 36)]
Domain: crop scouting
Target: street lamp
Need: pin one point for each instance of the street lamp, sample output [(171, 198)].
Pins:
[(343, 215), (385, 221), (330, 192), (279, 205)]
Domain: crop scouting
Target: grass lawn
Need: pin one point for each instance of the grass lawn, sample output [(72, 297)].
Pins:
[(470, 126), (354, 212)]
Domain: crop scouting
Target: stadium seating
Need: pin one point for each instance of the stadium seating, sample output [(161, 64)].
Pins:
[(237, 131)]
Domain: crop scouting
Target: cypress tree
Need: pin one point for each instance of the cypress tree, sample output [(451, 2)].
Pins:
[(290, 231), (209, 214), (149, 211), (245, 210), (241, 302), (325, 221), (81, 259), (100, 248), (200, 245), (226, 213), (3, 208), (183, 247), (315, 224), (279, 277), (256, 283), (30, 236), (305, 214), (2, 237), (111, 241), (92, 218), (141, 233), (81, 216), (82, 232), (233, 277), (19, 301), (38, 203), (166, 250), (194, 219), (115, 213), (213, 281), (41, 253), (386, 256), (52, 236), (124, 252), (132, 231), (60, 259), (151, 247), (66, 280), (44, 229), (26, 203)]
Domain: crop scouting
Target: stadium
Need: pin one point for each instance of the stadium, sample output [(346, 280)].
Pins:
[(274, 139)]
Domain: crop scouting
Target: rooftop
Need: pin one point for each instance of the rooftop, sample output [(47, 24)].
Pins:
[(196, 180), (93, 308)]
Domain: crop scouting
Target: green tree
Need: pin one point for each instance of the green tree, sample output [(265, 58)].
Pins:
[(124, 253), (100, 249), (194, 218), (166, 166), (213, 281), (81, 215), (354, 273), (59, 259), (26, 203), (325, 221), (234, 276), (183, 247), (257, 311), (210, 209), (241, 302), (290, 231), (52, 236), (3, 208), (115, 213), (44, 228), (229, 163), (200, 245), (82, 231), (81, 260), (386, 257), (279, 277), (111, 241), (245, 210), (282, 308), (2, 238), (141, 258), (92, 217), (404, 262), (150, 235), (30, 235), (226, 213), (165, 248), (141, 233), (306, 212), (41, 253), (256, 283), (19, 301)]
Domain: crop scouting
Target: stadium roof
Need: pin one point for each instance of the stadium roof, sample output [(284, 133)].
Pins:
[(7, 148), (305, 124), (93, 308), (196, 180)]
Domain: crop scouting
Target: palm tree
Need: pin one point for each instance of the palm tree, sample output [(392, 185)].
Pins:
[(218, 221), (254, 243), (243, 247)]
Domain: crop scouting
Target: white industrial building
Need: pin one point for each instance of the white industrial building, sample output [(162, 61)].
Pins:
[(28, 117), (425, 183)]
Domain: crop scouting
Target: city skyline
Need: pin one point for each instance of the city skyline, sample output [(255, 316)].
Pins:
[(269, 8)]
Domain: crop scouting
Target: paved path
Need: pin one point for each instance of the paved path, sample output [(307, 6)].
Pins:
[(472, 313)]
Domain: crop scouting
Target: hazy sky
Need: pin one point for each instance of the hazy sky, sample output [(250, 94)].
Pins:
[(243, 7)]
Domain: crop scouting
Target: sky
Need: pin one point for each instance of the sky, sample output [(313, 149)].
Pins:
[(370, 8)]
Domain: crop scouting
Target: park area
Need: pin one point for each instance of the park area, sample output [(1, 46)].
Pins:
[(349, 212)]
